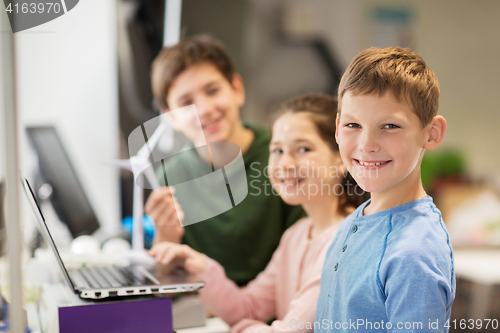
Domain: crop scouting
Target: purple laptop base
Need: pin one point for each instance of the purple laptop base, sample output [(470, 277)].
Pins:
[(144, 315)]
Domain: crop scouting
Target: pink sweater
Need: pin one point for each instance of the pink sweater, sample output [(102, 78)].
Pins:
[(287, 289)]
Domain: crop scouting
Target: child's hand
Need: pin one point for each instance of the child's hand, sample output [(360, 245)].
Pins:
[(178, 255), (161, 206)]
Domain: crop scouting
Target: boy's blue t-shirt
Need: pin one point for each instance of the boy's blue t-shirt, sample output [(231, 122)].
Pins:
[(389, 271)]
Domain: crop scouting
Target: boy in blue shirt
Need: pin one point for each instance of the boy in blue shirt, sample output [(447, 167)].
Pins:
[(390, 267)]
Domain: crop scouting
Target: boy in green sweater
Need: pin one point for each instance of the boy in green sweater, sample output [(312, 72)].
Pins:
[(199, 71)]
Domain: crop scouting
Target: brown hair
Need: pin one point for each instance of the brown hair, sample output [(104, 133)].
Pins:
[(398, 70), (194, 50), (322, 110)]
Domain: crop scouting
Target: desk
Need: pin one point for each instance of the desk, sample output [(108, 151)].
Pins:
[(478, 265), (213, 325), (44, 317), (481, 268), (60, 308)]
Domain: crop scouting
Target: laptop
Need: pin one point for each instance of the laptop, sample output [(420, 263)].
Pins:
[(114, 281)]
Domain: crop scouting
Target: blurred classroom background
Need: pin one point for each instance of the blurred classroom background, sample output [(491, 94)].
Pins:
[(87, 74)]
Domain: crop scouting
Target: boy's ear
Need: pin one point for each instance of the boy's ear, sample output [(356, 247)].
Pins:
[(436, 131), (239, 88)]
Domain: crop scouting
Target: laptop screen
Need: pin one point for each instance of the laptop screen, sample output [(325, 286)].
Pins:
[(44, 230)]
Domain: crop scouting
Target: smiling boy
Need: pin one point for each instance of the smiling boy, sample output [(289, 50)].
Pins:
[(390, 267), (199, 71)]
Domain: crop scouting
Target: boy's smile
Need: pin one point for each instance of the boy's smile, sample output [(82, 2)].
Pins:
[(381, 142)]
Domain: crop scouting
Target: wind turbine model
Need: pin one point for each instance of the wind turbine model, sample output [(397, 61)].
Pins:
[(140, 165)]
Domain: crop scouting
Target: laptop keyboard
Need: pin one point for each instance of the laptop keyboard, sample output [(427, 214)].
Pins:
[(109, 277)]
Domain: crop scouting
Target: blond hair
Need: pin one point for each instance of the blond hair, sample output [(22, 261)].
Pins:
[(397, 70)]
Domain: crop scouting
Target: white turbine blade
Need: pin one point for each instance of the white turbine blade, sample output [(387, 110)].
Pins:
[(138, 213), (144, 152), (151, 177), (125, 164), (153, 140)]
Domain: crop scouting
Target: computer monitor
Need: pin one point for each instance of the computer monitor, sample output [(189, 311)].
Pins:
[(68, 198)]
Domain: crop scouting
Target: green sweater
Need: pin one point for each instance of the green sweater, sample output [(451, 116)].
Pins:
[(243, 238)]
